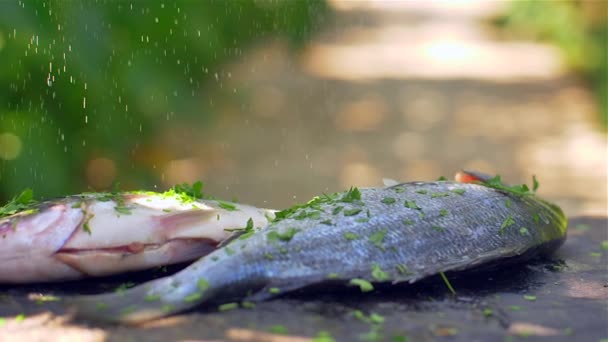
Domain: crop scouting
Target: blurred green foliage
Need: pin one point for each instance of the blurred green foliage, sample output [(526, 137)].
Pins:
[(91, 79), (578, 28)]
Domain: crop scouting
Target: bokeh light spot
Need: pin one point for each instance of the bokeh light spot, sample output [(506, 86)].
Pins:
[(362, 115), (10, 146), (101, 172)]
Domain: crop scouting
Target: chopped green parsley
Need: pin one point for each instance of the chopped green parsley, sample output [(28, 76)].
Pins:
[(351, 212), (535, 184), (248, 305), (440, 194), (353, 194), (350, 236), (278, 329), (100, 306), (123, 287), (85, 225), (23, 201), (195, 190), (307, 214), (363, 284), (438, 228), (193, 297), (323, 336), (521, 190), (506, 223), (128, 310), (378, 238), (167, 308), (228, 306), (411, 205), (388, 200), (373, 318), (227, 206), (447, 283), (350, 196), (285, 236), (152, 298), (379, 274), (202, 285)]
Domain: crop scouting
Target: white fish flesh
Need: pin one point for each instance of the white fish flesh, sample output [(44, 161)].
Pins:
[(103, 234)]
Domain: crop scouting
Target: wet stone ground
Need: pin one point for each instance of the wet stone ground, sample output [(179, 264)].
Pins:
[(562, 298)]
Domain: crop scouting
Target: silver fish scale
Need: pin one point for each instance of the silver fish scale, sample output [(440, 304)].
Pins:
[(467, 232)]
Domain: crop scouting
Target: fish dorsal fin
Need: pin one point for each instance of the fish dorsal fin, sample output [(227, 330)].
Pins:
[(388, 182), (469, 176)]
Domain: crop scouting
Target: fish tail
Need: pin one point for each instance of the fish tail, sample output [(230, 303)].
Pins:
[(128, 306), (148, 301)]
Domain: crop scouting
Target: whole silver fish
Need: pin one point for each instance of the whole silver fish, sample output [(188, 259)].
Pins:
[(101, 234), (400, 233)]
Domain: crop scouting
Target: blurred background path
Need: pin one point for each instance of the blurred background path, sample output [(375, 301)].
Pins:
[(405, 90)]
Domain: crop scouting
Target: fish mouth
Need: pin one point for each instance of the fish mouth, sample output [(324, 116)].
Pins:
[(134, 256)]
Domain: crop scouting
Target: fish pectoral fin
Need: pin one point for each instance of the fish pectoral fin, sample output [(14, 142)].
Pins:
[(276, 289)]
